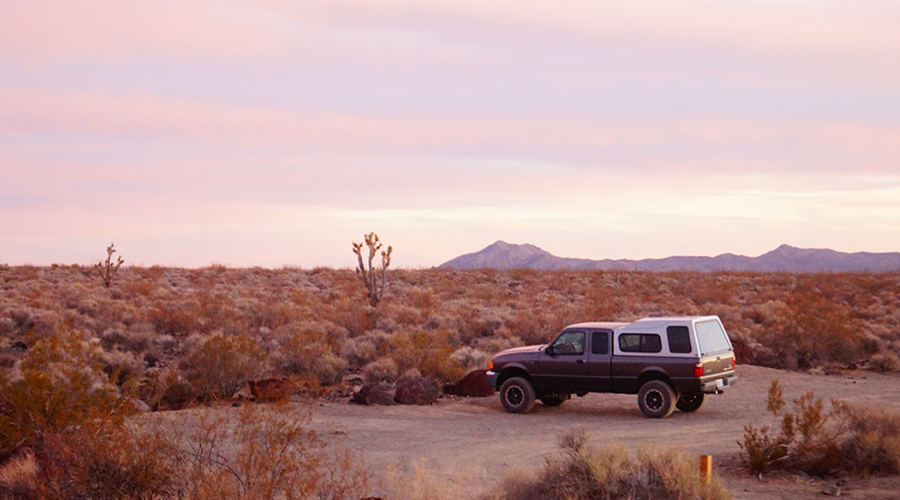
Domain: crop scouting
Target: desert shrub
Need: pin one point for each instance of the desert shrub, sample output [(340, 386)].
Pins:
[(430, 352), (7, 325), (411, 374), (813, 332), (168, 390), (60, 384), (381, 370), (255, 452), (103, 459), (329, 368), (297, 353), (222, 365), (112, 337), (471, 359), (359, 351), (419, 482), (873, 443), (884, 362), (19, 477), (591, 472), (819, 442), (122, 367)]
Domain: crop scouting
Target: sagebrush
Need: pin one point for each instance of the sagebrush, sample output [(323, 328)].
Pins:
[(822, 441)]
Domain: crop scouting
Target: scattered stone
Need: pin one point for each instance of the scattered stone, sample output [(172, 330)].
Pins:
[(473, 385), (378, 393), (273, 389), (353, 380), (831, 490), (417, 391), (140, 405)]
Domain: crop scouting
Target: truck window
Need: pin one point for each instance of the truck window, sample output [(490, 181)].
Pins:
[(679, 339), (640, 342), (569, 343), (600, 343), (711, 337)]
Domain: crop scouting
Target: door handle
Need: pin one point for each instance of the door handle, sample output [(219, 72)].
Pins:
[(579, 361)]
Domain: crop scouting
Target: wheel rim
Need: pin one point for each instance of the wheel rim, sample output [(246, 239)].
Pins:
[(515, 396), (654, 400)]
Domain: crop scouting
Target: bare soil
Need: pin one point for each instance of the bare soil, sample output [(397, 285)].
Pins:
[(475, 442)]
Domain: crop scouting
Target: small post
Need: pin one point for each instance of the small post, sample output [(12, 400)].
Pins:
[(705, 468)]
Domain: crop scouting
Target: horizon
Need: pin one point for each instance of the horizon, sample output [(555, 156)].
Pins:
[(273, 134), (414, 268)]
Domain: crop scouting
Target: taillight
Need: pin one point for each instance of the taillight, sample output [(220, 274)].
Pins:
[(733, 363), (491, 366), (698, 370)]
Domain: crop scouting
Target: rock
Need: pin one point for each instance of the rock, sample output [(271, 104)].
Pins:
[(140, 405), (831, 490), (417, 391), (354, 380), (374, 394), (473, 385), (273, 389)]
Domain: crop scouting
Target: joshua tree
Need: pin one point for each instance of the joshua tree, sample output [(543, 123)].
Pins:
[(108, 270), (368, 276)]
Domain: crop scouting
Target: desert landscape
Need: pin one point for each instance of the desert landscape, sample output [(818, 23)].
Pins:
[(186, 342)]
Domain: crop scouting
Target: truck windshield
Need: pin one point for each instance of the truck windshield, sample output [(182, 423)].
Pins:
[(711, 337)]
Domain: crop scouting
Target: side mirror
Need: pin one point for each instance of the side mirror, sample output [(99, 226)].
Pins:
[(549, 350)]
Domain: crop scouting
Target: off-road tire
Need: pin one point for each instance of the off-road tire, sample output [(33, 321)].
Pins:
[(656, 399), (517, 395), (691, 402)]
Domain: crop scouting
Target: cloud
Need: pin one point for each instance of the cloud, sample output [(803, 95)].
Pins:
[(46, 31)]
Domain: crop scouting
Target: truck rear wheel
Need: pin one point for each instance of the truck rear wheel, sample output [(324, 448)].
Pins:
[(517, 395), (691, 402), (656, 399)]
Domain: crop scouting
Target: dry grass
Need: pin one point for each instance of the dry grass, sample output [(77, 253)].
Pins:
[(584, 471)]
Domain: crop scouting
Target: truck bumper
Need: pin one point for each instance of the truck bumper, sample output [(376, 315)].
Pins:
[(719, 385), (492, 379)]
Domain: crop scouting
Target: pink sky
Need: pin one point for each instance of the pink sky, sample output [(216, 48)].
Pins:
[(275, 133)]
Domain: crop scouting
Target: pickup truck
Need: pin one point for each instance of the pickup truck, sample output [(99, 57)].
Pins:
[(672, 362)]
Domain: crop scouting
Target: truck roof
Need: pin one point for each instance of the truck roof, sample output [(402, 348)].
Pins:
[(610, 325), (648, 322)]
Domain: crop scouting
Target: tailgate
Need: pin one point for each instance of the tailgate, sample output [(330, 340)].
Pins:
[(716, 364)]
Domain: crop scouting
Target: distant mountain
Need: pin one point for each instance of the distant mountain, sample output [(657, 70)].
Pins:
[(502, 255)]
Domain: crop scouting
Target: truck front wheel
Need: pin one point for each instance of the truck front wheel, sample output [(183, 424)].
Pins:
[(656, 399), (517, 395)]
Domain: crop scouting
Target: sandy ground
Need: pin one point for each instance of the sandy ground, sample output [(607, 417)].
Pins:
[(475, 442)]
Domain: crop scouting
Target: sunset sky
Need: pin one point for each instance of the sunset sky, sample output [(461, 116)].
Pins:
[(271, 133)]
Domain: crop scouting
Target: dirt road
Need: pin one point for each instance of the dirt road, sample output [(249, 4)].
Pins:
[(476, 442)]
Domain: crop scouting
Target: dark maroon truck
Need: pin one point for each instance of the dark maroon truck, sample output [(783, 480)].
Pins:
[(668, 362)]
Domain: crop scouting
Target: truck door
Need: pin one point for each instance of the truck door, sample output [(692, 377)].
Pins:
[(563, 366), (599, 358)]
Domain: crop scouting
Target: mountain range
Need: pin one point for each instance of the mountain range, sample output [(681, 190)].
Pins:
[(502, 255)]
